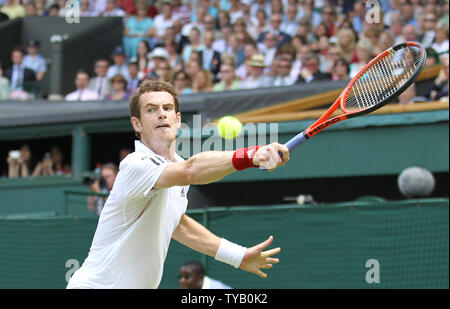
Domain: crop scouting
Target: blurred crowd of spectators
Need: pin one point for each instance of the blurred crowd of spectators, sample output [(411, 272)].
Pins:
[(217, 45)]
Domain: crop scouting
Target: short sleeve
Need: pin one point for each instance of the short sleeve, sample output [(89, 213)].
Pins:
[(142, 172)]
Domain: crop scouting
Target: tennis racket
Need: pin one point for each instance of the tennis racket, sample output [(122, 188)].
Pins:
[(380, 81)]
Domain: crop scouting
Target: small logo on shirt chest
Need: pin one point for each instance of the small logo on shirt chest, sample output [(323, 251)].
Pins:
[(183, 192)]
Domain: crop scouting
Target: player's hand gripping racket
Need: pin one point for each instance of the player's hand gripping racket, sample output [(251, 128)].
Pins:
[(380, 81)]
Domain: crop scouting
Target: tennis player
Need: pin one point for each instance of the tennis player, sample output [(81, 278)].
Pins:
[(146, 207)]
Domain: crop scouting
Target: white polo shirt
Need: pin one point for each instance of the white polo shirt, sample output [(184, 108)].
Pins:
[(134, 228)]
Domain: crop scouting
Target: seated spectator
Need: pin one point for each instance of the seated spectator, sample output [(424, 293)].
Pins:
[(409, 33), (118, 89), (52, 164), (192, 67), (202, 81), (104, 184), (221, 44), (4, 86), (13, 9), (63, 9), (163, 20), (174, 34), (256, 78), (333, 53), (175, 60), (181, 11), (20, 163), (210, 25), (34, 61), (200, 14), (53, 10), (195, 44), (83, 93), (228, 78), (112, 9), (280, 37), (439, 90), (20, 78), (234, 11), (98, 6), (164, 71), (385, 41), (157, 56), (100, 83), (119, 64), (409, 96), (340, 70), (364, 51), (134, 81), (373, 36), (30, 9), (429, 29), (346, 41), (210, 58), (143, 60), (240, 30), (41, 7), (290, 23), (305, 31), (441, 42), (283, 70), (396, 27), (250, 49), (258, 24), (182, 82), (432, 57), (85, 9), (260, 5), (236, 48), (311, 71), (268, 48), (192, 276), (137, 28)]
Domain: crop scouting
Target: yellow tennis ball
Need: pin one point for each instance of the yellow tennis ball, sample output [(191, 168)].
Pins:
[(229, 127)]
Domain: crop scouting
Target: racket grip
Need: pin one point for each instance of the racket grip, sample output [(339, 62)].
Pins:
[(295, 142)]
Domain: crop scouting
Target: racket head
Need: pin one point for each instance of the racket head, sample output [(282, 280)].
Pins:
[(383, 79)]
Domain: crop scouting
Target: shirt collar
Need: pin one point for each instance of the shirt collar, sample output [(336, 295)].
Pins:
[(141, 147)]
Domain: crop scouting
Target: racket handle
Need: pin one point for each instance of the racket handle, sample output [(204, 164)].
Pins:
[(295, 142)]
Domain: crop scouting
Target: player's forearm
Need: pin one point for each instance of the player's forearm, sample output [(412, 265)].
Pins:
[(209, 166), (195, 236)]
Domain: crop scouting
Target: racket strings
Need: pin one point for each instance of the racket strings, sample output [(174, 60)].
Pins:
[(383, 79)]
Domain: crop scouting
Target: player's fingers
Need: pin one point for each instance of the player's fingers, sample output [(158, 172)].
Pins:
[(271, 252), (272, 260), (261, 274), (267, 266), (265, 244), (282, 151)]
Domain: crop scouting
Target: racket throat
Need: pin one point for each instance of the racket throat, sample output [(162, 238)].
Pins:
[(316, 129)]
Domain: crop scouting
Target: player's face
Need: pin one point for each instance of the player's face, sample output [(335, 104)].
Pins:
[(188, 279), (159, 121)]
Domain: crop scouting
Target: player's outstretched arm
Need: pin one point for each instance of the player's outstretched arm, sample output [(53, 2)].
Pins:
[(197, 237), (211, 166)]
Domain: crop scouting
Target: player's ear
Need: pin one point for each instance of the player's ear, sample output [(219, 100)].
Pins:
[(136, 124), (178, 120)]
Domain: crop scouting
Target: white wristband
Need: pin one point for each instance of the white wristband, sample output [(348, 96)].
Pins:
[(230, 253)]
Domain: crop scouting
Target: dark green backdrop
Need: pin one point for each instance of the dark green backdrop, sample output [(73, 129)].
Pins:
[(323, 246)]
